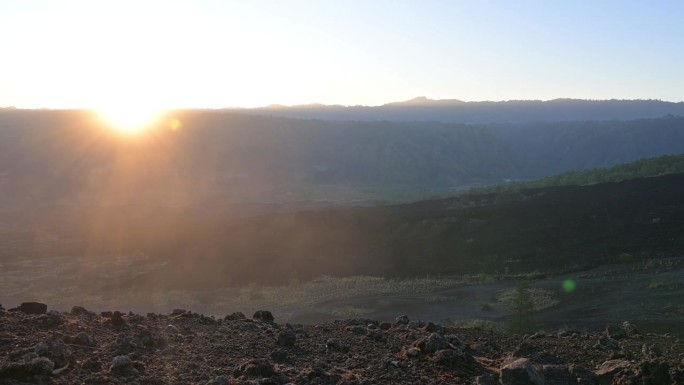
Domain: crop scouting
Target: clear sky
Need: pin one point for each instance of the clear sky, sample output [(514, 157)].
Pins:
[(160, 54)]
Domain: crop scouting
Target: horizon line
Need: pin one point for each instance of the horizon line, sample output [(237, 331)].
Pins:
[(416, 100)]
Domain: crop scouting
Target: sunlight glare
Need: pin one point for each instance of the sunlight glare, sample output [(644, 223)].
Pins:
[(130, 119)]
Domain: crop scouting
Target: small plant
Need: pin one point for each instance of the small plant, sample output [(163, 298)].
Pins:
[(521, 309)]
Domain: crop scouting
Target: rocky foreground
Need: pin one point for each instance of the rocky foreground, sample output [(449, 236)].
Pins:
[(82, 347)]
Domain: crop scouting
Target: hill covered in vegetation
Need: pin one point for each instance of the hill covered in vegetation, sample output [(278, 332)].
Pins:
[(662, 165)]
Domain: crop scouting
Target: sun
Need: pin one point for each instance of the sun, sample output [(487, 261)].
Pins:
[(129, 119)]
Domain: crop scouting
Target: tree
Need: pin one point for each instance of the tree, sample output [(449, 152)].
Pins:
[(521, 310)]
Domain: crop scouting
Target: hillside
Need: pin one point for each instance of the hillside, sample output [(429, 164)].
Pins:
[(218, 158), (513, 111), (648, 167), (553, 229)]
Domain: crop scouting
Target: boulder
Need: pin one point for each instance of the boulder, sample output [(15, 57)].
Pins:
[(609, 369), (654, 372), (234, 316), (33, 308), (521, 372), (263, 316), (432, 343)]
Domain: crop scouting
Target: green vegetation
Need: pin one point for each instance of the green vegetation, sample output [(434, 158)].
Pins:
[(521, 302), (648, 167)]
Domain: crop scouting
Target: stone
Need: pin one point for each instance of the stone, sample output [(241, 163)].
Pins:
[(56, 350), (33, 308), (520, 372), (583, 375), (654, 372), (357, 329), (170, 329), (24, 369), (486, 379), (263, 316), (79, 310), (651, 350), (616, 332), (117, 319), (255, 368), (558, 375), (121, 364), (204, 320), (432, 343), (609, 369), (385, 326), (279, 355), (286, 338), (609, 343), (461, 363), (50, 320), (85, 339), (376, 335), (335, 345), (432, 328), (234, 316), (629, 328), (402, 320)]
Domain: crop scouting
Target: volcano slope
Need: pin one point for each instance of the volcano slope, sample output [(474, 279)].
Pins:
[(81, 347), (553, 230)]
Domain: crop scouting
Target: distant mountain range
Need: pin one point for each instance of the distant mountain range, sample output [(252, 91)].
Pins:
[(219, 157), (456, 111)]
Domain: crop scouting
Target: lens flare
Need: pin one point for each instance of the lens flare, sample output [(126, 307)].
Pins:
[(569, 286)]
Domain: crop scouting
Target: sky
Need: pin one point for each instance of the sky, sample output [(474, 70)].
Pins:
[(214, 54)]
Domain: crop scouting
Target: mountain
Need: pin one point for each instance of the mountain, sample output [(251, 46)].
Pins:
[(512, 111), (221, 158)]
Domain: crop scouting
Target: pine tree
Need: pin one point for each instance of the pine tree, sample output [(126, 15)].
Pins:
[(521, 310)]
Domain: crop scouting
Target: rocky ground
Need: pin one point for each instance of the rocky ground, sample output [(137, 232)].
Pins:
[(81, 347)]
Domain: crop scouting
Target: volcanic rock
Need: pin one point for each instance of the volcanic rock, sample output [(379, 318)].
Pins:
[(32, 308), (263, 316), (234, 316), (287, 338), (521, 372)]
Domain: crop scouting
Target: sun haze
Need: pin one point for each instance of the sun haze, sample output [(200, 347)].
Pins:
[(128, 119), (214, 54)]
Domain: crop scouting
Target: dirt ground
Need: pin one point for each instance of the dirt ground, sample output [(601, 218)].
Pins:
[(650, 296)]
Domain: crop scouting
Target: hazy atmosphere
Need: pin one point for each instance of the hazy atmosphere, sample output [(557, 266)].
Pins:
[(343, 193), (214, 54)]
